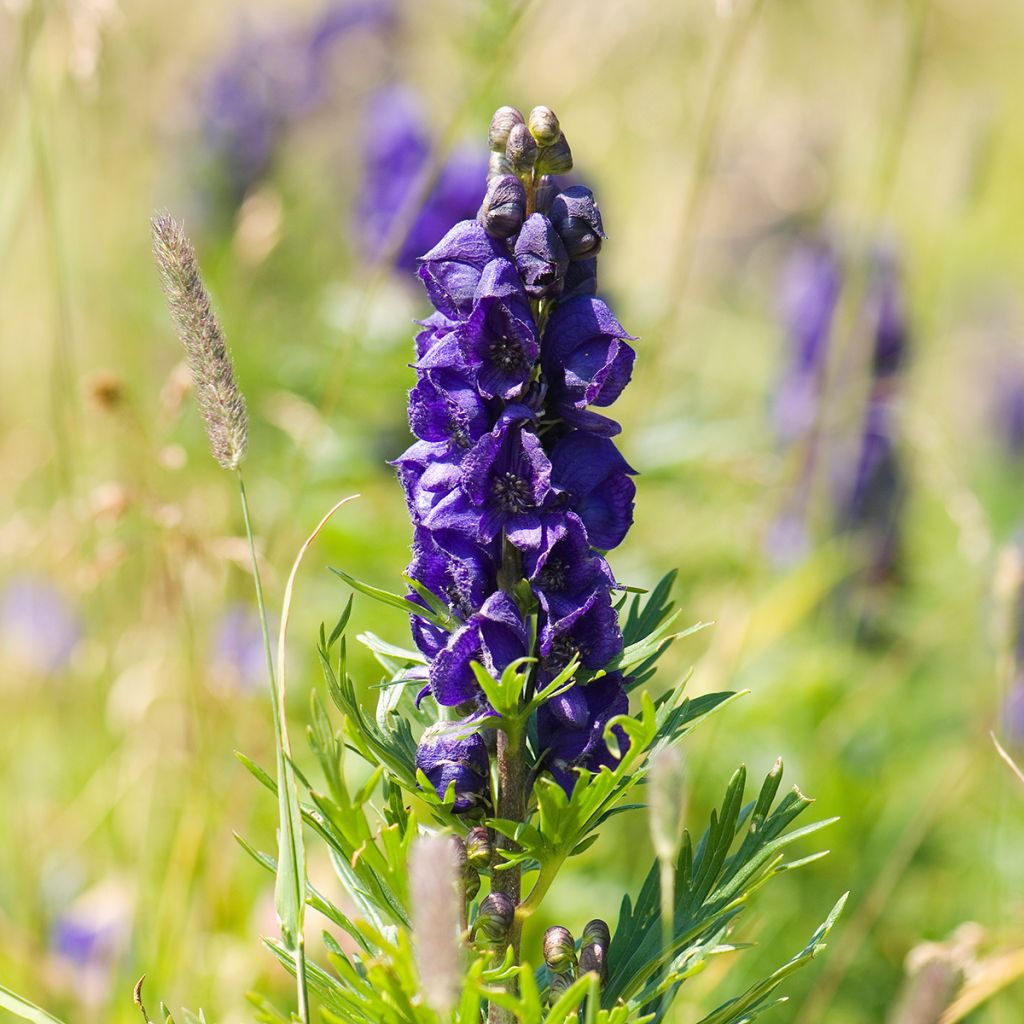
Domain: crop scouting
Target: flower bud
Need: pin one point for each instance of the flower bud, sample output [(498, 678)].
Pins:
[(559, 983), (494, 919), (504, 206), (578, 222), (592, 958), (596, 933), (498, 164), (468, 875), (503, 121), (521, 149), (555, 158), (478, 847), (580, 279), (451, 752), (471, 882), (540, 257), (544, 126), (547, 189), (559, 949)]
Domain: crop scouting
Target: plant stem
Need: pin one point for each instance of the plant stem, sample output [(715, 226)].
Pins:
[(511, 805), (284, 748)]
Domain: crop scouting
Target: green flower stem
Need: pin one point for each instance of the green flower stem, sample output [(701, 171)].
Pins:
[(284, 777)]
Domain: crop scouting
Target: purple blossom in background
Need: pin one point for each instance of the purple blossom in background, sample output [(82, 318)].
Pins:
[(864, 470), (514, 484), (237, 656), (39, 626), (266, 82), (397, 148)]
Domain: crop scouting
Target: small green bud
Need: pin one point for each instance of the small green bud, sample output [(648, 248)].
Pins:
[(471, 882), (504, 207), (498, 164), (478, 846), (521, 149), (494, 920), (559, 983), (592, 958), (559, 949), (544, 126), (458, 852), (503, 121), (555, 158), (596, 933)]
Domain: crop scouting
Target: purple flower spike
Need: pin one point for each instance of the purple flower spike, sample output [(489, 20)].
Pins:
[(451, 270), (495, 636), (585, 354), (596, 479), (567, 749), (540, 257), (455, 752)]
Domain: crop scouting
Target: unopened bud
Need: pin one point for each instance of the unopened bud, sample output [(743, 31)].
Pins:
[(578, 222), (559, 949), (592, 958), (544, 126), (498, 164), (478, 846), (471, 882), (503, 121), (559, 984), (504, 206), (540, 258), (596, 933), (494, 919), (555, 158), (547, 189), (521, 149)]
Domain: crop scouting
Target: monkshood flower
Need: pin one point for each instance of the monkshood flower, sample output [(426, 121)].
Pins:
[(39, 627), (452, 753), (514, 485), (397, 150)]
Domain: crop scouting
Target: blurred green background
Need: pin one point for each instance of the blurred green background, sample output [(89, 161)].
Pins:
[(712, 136)]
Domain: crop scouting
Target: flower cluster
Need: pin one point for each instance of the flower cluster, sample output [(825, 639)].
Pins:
[(865, 476), (514, 486)]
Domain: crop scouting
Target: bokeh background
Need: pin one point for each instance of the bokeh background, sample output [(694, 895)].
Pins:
[(727, 144)]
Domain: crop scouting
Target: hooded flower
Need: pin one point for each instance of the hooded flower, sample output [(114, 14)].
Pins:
[(454, 752), (495, 636), (505, 485), (540, 257), (567, 748), (451, 270), (596, 480), (585, 355)]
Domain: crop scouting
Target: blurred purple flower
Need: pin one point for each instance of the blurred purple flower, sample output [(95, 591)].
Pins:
[(39, 626), (268, 80), (397, 149), (237, 657)]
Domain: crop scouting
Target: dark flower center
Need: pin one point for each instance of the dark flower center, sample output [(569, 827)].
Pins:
[(507, 355), (553, 575), (562, 651), (512, 493)]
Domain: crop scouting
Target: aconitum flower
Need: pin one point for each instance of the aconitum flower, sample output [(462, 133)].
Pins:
[(454, 753), (515, 486)]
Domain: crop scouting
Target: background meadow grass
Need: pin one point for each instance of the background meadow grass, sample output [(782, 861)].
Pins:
[(712, 138)]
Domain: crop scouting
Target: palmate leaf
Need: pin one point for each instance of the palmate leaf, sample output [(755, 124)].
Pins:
[(713, 884)]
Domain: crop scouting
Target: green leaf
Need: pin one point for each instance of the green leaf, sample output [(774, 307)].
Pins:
[(24, 1009), (403, 604)]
